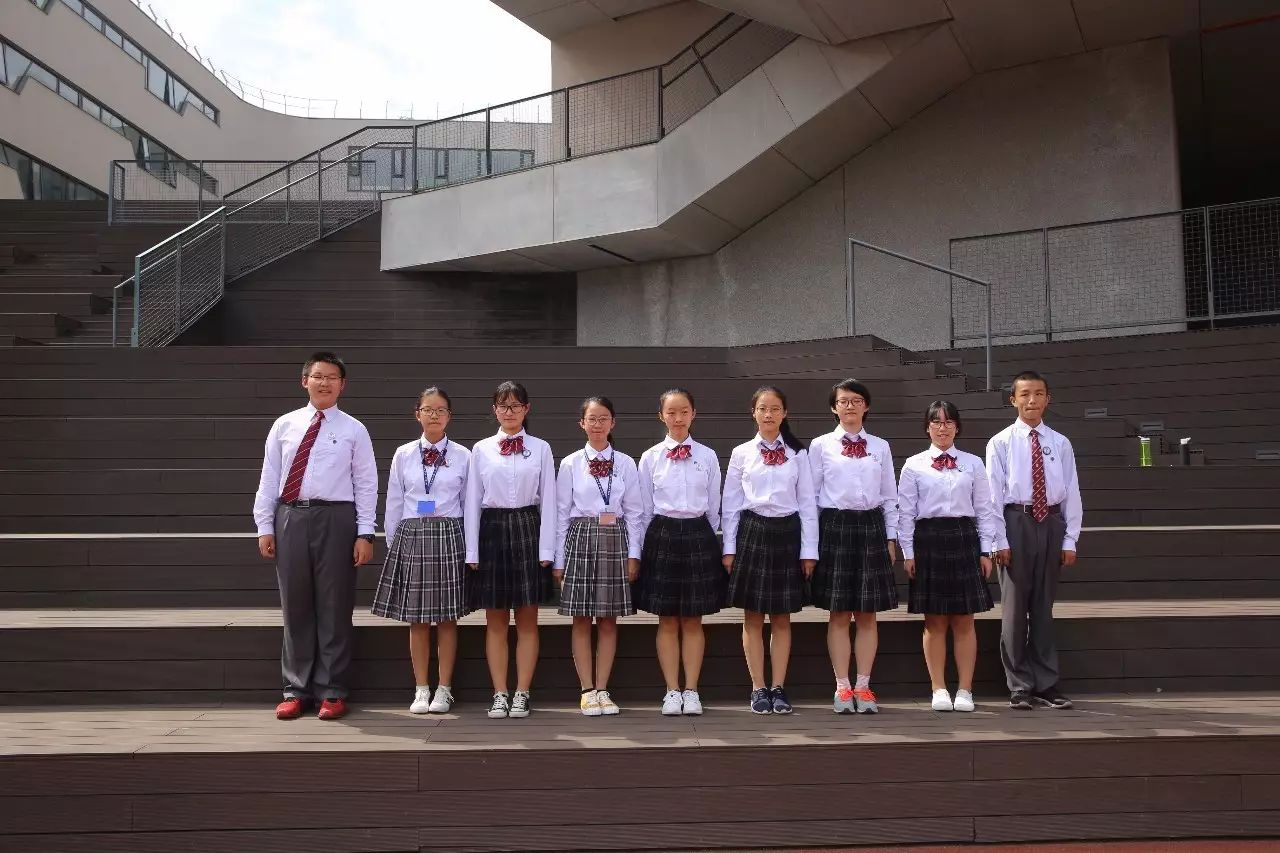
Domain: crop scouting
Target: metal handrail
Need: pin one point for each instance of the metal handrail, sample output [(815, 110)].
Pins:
[(927, 265), (315, 174), (115, 308), (138, 269)]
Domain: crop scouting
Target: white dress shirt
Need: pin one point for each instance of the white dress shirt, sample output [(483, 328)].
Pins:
[(847, 482), (341, 466), (685, 488), (1009, 470), (578, 496), (511, 482), (770, 490), (960, 492), (407, 482)]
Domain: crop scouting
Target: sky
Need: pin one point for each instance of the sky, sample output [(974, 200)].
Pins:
[(376, 58)]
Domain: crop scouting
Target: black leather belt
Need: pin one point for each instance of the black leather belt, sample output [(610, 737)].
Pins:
[(316, 502), (1056, 509)]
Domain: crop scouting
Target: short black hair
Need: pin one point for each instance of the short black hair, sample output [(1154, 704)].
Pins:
[(1027, 376), (851, 385), (325, 357), (944, 407), (513, 390), (674, 392)]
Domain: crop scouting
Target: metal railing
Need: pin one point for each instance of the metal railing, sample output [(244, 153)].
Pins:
[(1161, 272), (288, 206), (885, 279)]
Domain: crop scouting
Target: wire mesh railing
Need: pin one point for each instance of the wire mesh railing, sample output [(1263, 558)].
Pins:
[(176, 192), (1160, 272), (177, 281)]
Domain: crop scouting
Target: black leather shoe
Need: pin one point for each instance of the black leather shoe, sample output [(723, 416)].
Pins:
[(1021, 700)]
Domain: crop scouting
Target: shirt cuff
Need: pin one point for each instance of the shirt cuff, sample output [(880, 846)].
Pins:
[(266, 530), (808, 555), (1068, 544), (1002, 544), (891, 533), (471, 559), (364, 530), (546, 556), (633, 553), (988, 546), (908, 552)]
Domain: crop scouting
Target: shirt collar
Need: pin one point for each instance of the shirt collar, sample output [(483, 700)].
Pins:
[(839, 432), (311, 410), (592, 453), (423, 444), (1021, 427), (501, 435), (671, 444), (774, 446), (935, 451)]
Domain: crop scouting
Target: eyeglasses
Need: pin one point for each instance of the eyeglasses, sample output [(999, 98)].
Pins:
[(598, 421), (850, 403), (427, 410), (322, 377), (943, 424), (769, 410), (509, 408)]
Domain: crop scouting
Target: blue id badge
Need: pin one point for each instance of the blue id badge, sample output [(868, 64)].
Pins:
[(427, 507)]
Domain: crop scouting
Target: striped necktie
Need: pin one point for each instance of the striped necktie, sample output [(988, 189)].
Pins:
[(297, 470)]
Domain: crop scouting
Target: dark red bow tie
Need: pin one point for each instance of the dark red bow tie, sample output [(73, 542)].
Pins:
[(946, 460), (774, 456), (600, 467), (857, 447), (680, 451), (509, 446), (431, 456)]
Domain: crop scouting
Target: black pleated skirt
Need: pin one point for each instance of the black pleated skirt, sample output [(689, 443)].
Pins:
[(681, 573), (509, 574), (854, 572), (766, 576), (948, 572)]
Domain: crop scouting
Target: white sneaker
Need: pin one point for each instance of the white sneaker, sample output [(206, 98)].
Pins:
[(519, 704), (964, 701), (590, 703), (421, 700), (608, 707), (442, 703), (692, 703), (672, 704), (942, 700)]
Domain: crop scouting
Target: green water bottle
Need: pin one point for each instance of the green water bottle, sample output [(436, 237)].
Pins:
[(1144, 451)]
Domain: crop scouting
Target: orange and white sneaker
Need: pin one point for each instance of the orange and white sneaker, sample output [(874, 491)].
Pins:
[(843, 701), (865, 701)]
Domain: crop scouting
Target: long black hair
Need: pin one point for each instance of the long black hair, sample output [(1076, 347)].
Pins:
[(788, 437), (599, 401), (513, 390), (947, 409)]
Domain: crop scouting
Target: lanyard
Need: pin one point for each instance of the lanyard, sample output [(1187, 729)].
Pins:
[(604, 496), (429, 482)]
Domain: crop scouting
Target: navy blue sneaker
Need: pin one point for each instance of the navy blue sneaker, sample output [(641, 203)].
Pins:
[(781, 705), (761, 701)]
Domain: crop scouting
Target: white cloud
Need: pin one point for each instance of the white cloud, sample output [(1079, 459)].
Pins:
[(378, 58)]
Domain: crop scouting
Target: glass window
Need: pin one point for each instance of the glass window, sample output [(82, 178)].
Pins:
[(113, 34), (75, 6), (112, 121), (177, 94), (93, 18), (44, 76), (91, 107), (68, 92), (53, 186), (133, 50), (157, 77)]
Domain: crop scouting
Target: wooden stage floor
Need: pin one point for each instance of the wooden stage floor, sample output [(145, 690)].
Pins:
[(138, 778)]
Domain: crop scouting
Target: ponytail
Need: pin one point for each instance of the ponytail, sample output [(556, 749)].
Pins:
[(789, 437)]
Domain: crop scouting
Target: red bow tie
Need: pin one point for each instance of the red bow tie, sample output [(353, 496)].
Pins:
[(680, 451), (946, 460), (857, 447), (774, 456), (431, 456), (600, 467), (509, 446)]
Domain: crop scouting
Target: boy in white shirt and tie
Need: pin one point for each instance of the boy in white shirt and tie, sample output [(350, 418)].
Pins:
[(1032, 470), (315, 513)]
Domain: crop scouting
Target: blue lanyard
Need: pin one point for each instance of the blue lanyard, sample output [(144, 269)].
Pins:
[(430, 482), (604, 496)]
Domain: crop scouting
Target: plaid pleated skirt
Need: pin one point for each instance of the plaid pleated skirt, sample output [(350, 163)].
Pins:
[(681, 573), (509, 574), (595, 570), (948, 572), (766, 576), (854, 572), (424, 575)]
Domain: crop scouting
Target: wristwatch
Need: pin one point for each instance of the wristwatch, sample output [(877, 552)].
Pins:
[(368, 537)]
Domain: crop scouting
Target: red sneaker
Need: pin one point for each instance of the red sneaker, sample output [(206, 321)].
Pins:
[(290, 709), (333, 709)]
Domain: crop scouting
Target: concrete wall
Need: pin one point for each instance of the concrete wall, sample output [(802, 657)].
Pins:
[(1066, 140), (68, 45), (643, 39), (10, 187)]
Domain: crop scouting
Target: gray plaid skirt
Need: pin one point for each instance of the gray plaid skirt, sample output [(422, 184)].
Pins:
[(595, 570), (853, 572), (766, 576), (423, 577), (948, 572), (509, 574), (681, 573)]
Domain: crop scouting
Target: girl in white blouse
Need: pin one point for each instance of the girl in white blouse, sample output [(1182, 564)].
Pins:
[(681, 579), (423, 578), (947, 527), (598, 536), (770, 541), (510, 525)]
